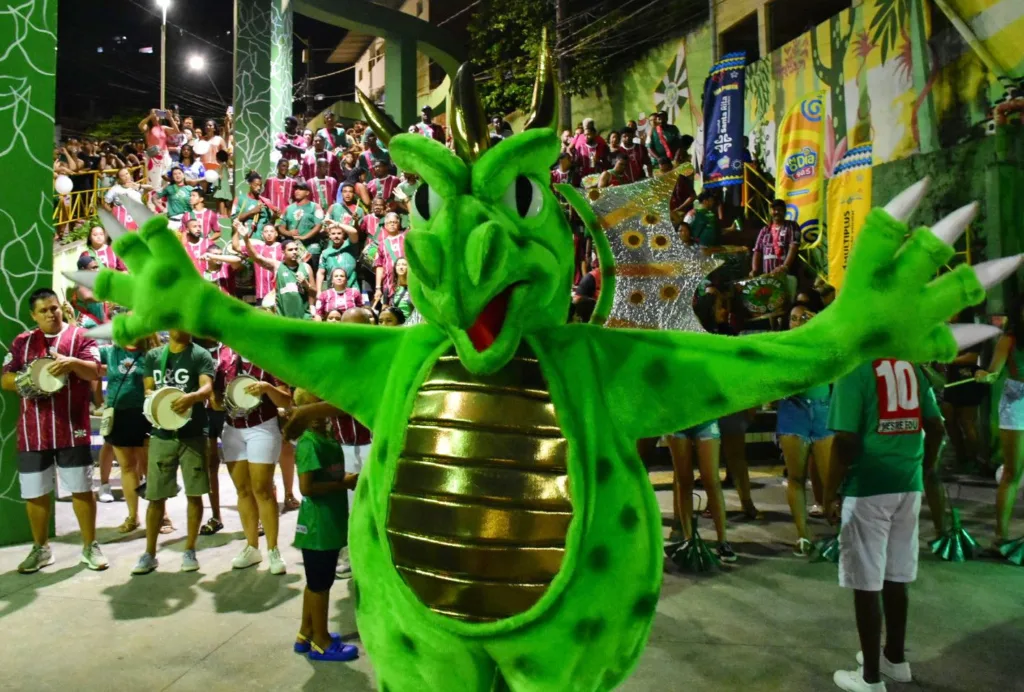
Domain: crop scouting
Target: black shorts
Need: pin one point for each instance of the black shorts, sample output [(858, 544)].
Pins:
[(214, 424), (320, 566), (130, 428)]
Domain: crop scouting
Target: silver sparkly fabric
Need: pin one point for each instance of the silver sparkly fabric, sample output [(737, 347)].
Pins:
[(656, 275)]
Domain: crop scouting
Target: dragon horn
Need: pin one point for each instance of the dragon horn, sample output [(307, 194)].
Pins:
[(383, 126), (544, 108), (466, 116)]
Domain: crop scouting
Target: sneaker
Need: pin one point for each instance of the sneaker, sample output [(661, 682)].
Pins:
[(303, 645), (146, 564), (189, 563), (277, 563), (899, 672), (803, 548), (344, 569), (93, 558), (247, 558), (852, 681), (816, 511), (725, 552), (105, 494), (335, 652), (40, 556)]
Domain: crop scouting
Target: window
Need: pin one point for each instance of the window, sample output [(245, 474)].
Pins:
[(788, 19), (742, 36), (359, 78), (419, 8)]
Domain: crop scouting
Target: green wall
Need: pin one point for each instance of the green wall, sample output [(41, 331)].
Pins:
[(28, 31)]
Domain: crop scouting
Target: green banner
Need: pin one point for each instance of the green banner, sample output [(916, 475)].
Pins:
[(28, 33)]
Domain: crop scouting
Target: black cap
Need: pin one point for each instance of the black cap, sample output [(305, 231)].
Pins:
[(85, 260), (302, 185), (426, 109)]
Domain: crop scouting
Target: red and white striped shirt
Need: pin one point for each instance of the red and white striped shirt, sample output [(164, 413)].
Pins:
[(105, 257), (229, 366), (348, 431), (280, 190), (308, 169), (371, 225), (323, 191), (638, 158), (61, 420), (197, 250), (125, 219), (392, 249), (266, 279), (209, 221), (333, 300), (297, 140), (383, 187)]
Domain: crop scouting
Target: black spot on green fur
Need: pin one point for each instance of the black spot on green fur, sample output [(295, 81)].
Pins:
[(875, 340), (361, 491), (629, 518), (653, 373), (382, 450), (645, 605), (604, 470), (751, 354), (166, 276), (236, 310), (374, 535), (883, 277), (718, 399), (408, 644), (525, 666), (296, 344), (172, 317), (589, 629), (599, 558), (355, 594)]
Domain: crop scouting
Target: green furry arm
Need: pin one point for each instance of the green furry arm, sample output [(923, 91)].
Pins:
[(890, 307), (340, 363), (604, 250)]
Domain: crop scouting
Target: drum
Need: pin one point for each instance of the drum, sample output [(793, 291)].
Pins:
[(239, 403), (591, 181), (368, 257), (35, 381), (157, 409), (762, 295)]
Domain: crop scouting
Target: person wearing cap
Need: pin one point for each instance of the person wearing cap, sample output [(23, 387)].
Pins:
[(427, 127), (90, 311), (303, 220)]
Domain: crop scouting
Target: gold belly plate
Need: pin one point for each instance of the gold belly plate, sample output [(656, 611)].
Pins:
[(480, 508)]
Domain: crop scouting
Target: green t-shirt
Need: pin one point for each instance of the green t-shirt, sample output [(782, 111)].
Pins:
[(292, 301), (177, 197), (304, 218), (704, 228), (337, 212), (333, 258), (885, 404), (183, 371), (323, 519), (124, 377), (247, 203)]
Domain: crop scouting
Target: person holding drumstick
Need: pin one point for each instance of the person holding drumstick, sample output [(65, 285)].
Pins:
[(186, 366), (53, 428), (252, 446)]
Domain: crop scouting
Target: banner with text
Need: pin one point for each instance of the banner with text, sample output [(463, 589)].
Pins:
[(723, 122), (849, 201), (799, 166)]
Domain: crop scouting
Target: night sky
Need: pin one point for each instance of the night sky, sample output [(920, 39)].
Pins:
[(93, 85)]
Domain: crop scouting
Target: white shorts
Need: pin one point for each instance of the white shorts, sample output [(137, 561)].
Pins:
[(355, 457), (37, 474), (260, 444), (878, 540)]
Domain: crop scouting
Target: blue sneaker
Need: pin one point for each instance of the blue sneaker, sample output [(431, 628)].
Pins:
[(335, 652), (303, 645)]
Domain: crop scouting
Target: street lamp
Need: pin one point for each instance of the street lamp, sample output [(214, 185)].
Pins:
[(163, 5), (197, 63)]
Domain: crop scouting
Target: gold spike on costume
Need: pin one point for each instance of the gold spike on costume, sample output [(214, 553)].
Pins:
[(466, 116), (381, 123), (544, 108)]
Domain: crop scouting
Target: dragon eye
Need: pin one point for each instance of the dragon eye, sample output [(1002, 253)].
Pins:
[(427, 201), (525, 197)]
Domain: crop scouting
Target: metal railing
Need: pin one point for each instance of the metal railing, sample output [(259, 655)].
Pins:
[(757, 202), (81, 205)]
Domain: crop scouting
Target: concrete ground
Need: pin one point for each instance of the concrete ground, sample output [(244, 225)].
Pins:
[(770, 622)]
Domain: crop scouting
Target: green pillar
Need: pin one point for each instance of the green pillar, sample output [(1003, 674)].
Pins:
[(29, 33), (263, 81), (400, 80), (927, 123)]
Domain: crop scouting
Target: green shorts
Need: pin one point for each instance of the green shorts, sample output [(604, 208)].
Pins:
[(165, 456)]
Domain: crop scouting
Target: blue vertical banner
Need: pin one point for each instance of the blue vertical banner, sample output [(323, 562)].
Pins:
[(723, 122)]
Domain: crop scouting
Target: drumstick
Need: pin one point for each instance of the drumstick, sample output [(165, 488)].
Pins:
[(957, 384)]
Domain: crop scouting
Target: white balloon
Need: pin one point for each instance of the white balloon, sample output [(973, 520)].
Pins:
[(201, 148), (212, 177), (999, 474), (63, 184), (275, 156)]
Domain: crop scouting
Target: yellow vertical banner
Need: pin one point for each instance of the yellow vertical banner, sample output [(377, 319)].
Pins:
[(849, 201), (801, 155)]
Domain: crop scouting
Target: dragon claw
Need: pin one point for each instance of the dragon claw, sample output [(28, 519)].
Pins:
[(904, 204), (994, 271), (968, 335), (140, 212), (952, 226), (102, 332), (111, 225)]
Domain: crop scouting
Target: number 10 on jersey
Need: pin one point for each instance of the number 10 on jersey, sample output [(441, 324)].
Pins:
[(899, 407)]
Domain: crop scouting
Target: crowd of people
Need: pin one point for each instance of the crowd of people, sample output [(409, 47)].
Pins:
[(322, 237)]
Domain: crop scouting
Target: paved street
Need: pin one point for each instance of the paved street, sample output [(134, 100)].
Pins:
[(771, 622)]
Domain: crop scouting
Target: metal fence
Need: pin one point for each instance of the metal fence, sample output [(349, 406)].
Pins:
[(81, 205)]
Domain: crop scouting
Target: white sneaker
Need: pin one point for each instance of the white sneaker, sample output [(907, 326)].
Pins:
[(93, 558), (853, 681), (899, 672), (189, 562), (247, 558), (344, 568), (277, 563), (105, 494)]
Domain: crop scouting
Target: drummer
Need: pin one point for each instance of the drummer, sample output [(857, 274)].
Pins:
[(189, 367), (776, 248), (54, 431)]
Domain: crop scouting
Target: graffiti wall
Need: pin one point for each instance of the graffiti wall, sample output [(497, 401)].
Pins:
[(897, 75)]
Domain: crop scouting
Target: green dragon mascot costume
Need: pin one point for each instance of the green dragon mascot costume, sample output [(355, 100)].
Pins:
[(505, 534)]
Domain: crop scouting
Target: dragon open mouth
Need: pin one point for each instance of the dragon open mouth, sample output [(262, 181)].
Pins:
[(489, 322)]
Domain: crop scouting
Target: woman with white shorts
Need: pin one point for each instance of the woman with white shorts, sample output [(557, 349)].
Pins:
[(252, 446), (1009, 354)]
